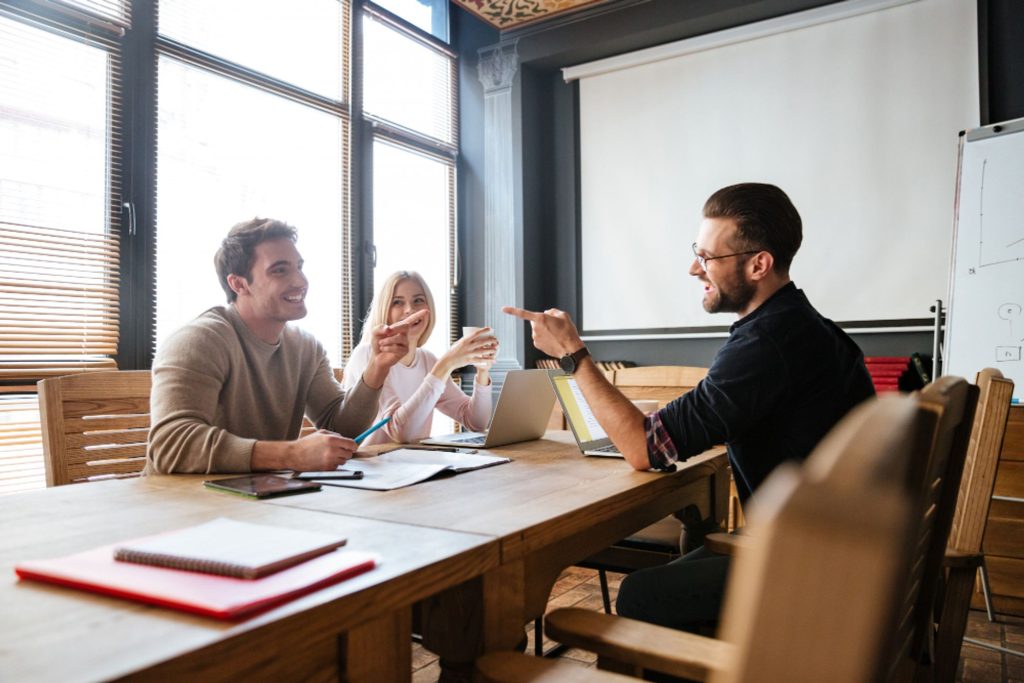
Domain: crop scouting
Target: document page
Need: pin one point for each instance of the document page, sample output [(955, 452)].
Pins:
[(407, 466), (380, 475), (456, 461)]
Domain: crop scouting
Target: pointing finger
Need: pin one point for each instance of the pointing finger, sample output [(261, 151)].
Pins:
[(522, 314), (403, 325)]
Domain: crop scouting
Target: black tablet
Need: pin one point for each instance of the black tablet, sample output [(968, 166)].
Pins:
[(262, 485)]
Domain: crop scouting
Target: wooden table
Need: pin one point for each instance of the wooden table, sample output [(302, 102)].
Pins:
[(549, 508), (357, 630)]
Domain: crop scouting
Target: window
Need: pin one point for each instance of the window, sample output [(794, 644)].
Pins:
[(59, 219), (233, 144), (409, 99), (238, 108), (409, 96), (416, 232), (430, 16)]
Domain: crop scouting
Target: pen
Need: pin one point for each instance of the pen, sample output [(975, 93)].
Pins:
[(445, 449), (371, 430)]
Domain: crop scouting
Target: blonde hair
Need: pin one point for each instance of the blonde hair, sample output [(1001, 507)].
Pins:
[(381, 304)]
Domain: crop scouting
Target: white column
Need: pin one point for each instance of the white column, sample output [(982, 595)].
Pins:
[(502, 273)]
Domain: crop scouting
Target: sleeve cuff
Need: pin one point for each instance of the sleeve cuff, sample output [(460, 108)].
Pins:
[(661, 451)]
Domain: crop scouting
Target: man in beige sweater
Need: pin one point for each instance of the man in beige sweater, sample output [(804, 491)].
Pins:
[(231, 387)]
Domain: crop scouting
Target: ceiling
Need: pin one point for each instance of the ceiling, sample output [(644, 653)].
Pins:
[(506, 14)]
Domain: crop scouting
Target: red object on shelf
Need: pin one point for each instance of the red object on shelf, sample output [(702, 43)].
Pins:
[(886, 360)]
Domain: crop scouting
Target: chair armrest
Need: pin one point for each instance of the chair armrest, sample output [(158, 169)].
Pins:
[(725, 544), (955, 559), (513, 667), (639, 644)]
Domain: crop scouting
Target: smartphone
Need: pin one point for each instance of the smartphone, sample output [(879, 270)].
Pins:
[(330, 474), (262, 486)]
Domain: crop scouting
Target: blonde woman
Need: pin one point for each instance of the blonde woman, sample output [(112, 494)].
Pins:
[(420, 382)]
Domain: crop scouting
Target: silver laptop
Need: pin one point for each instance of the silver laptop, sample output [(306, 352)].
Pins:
[(522, 414), (589, 434)]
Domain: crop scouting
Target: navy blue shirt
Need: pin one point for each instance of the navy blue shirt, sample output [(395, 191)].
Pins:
[(785, 376)]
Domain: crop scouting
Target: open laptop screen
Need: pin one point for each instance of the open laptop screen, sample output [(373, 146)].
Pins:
[(577, 411)]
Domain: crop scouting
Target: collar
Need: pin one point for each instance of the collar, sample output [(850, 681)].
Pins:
[(781, 295)]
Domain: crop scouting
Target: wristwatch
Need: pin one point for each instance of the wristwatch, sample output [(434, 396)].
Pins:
[(571, 361)]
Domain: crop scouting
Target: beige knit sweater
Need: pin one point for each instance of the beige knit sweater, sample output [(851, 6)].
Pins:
[(218, 388)]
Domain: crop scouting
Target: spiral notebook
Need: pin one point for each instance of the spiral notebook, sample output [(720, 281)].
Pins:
[(229, 548)]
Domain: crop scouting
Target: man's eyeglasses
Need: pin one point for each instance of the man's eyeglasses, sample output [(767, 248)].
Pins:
[(703, 260)]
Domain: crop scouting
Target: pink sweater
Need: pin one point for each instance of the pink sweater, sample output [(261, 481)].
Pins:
[(410, 394)]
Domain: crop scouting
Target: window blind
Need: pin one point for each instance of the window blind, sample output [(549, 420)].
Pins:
[(409, 82), (112, 15), (59, 202), (21, 450)]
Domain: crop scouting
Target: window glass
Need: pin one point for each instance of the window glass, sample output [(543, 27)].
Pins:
[(429, 15), (406, 82), (411, 224), (300, 41), (54, 130), (228, 152)]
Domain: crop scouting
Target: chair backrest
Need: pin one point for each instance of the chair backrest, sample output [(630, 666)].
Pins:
[(979, 476), (94, 424), (948, 406), (662, 383), (810, 596)]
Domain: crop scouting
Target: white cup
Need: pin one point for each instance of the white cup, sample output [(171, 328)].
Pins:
[(483, 365)]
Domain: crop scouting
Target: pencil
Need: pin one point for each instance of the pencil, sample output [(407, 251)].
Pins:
[(371, 430)]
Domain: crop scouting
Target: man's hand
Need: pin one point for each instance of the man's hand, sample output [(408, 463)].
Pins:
[(322, 450), (553, 331), (388, 345)]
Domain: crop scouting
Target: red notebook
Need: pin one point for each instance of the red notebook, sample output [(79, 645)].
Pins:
[(223, 597)]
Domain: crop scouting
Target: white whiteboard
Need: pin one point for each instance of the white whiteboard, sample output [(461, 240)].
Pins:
[(985, 320), (855, 118)]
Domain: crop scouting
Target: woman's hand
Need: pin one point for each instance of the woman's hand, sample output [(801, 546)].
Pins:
[(388, 345), (478, 348)]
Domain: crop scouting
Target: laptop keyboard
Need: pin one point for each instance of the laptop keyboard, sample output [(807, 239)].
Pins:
[(610, 448), (471, 440)]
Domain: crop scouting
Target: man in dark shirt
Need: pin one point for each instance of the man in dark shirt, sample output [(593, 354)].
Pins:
[(785, 376)]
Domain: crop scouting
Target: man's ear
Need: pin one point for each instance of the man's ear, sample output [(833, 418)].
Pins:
[(238, 284), (761, 265)]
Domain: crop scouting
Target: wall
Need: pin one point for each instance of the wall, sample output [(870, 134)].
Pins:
[(546, 109), (469, 34)]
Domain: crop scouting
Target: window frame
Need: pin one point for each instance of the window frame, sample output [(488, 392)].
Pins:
[(370, 127)]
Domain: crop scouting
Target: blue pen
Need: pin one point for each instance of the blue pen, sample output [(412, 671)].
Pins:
[(371, 430)]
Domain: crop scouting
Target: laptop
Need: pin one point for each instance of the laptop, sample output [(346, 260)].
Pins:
[(522, 413), (589, 435)]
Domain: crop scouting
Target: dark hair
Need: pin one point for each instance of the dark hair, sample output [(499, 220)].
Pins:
[(236, 251), (765, 219)]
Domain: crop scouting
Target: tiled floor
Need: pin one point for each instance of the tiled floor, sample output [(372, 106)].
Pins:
[(578, 587)]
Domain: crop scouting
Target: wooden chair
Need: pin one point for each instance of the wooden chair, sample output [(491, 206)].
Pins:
[(951, 402), (790, 614), (963, 556), (946, 411), (95, 425)]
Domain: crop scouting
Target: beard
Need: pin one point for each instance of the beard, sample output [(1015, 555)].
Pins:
[(730, 297)]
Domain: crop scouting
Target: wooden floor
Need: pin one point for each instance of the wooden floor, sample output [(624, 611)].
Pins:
[(978, 664), (578, 587)]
